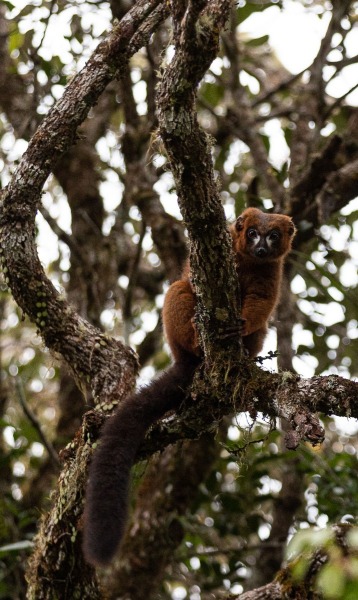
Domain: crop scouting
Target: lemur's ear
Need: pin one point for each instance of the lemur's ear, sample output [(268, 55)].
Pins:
[(239, 223), (291, 229)]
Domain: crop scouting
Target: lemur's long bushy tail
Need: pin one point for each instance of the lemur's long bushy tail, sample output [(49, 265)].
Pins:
[(108, 487)]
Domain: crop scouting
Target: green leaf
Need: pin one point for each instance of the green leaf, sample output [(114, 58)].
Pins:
[(27, 10), (16, 40), (212, 93), (331, 580), (352, 538), (258, 41), (266, 141), (307, 540), (299, 568), (9, 5)]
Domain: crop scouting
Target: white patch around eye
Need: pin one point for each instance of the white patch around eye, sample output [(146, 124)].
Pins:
[(252, 239), (270, 241)]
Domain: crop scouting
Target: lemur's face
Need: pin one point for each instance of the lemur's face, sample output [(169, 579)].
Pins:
[(263, 236)]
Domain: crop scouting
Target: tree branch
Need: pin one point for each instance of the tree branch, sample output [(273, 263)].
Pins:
[(92, 356), (213, 271), (140, 176), (36, 424), (248, 388), (312, 103), (87, 352), (241, 121)]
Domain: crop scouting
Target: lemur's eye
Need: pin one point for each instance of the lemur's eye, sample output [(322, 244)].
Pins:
[(274, 236), (251, 233)]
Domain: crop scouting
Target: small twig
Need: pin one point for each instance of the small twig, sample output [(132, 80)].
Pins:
[(51, 11), (340, 64), (241, 449), (281, 86), (61, 234), (34, 421), (271, 354), (339, 100)]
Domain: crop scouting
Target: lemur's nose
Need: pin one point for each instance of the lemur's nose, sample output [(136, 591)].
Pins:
[(261, 252)]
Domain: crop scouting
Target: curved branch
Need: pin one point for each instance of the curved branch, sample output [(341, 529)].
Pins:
[(58, 130), (92, 356), (87, 352)]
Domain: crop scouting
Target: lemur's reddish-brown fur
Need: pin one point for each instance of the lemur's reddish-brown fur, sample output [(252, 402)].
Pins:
[(259, 277), (260, 243)]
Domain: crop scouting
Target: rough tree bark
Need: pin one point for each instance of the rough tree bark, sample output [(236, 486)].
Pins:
[(196, 34), (93, 358), (228, 384)]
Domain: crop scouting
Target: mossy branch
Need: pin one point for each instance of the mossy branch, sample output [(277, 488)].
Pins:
[(189, 151)]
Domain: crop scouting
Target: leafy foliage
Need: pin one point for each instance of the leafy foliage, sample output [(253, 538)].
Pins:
[(106, 212)]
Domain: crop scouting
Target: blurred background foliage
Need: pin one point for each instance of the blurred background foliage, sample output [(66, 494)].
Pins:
[(105, 213)]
